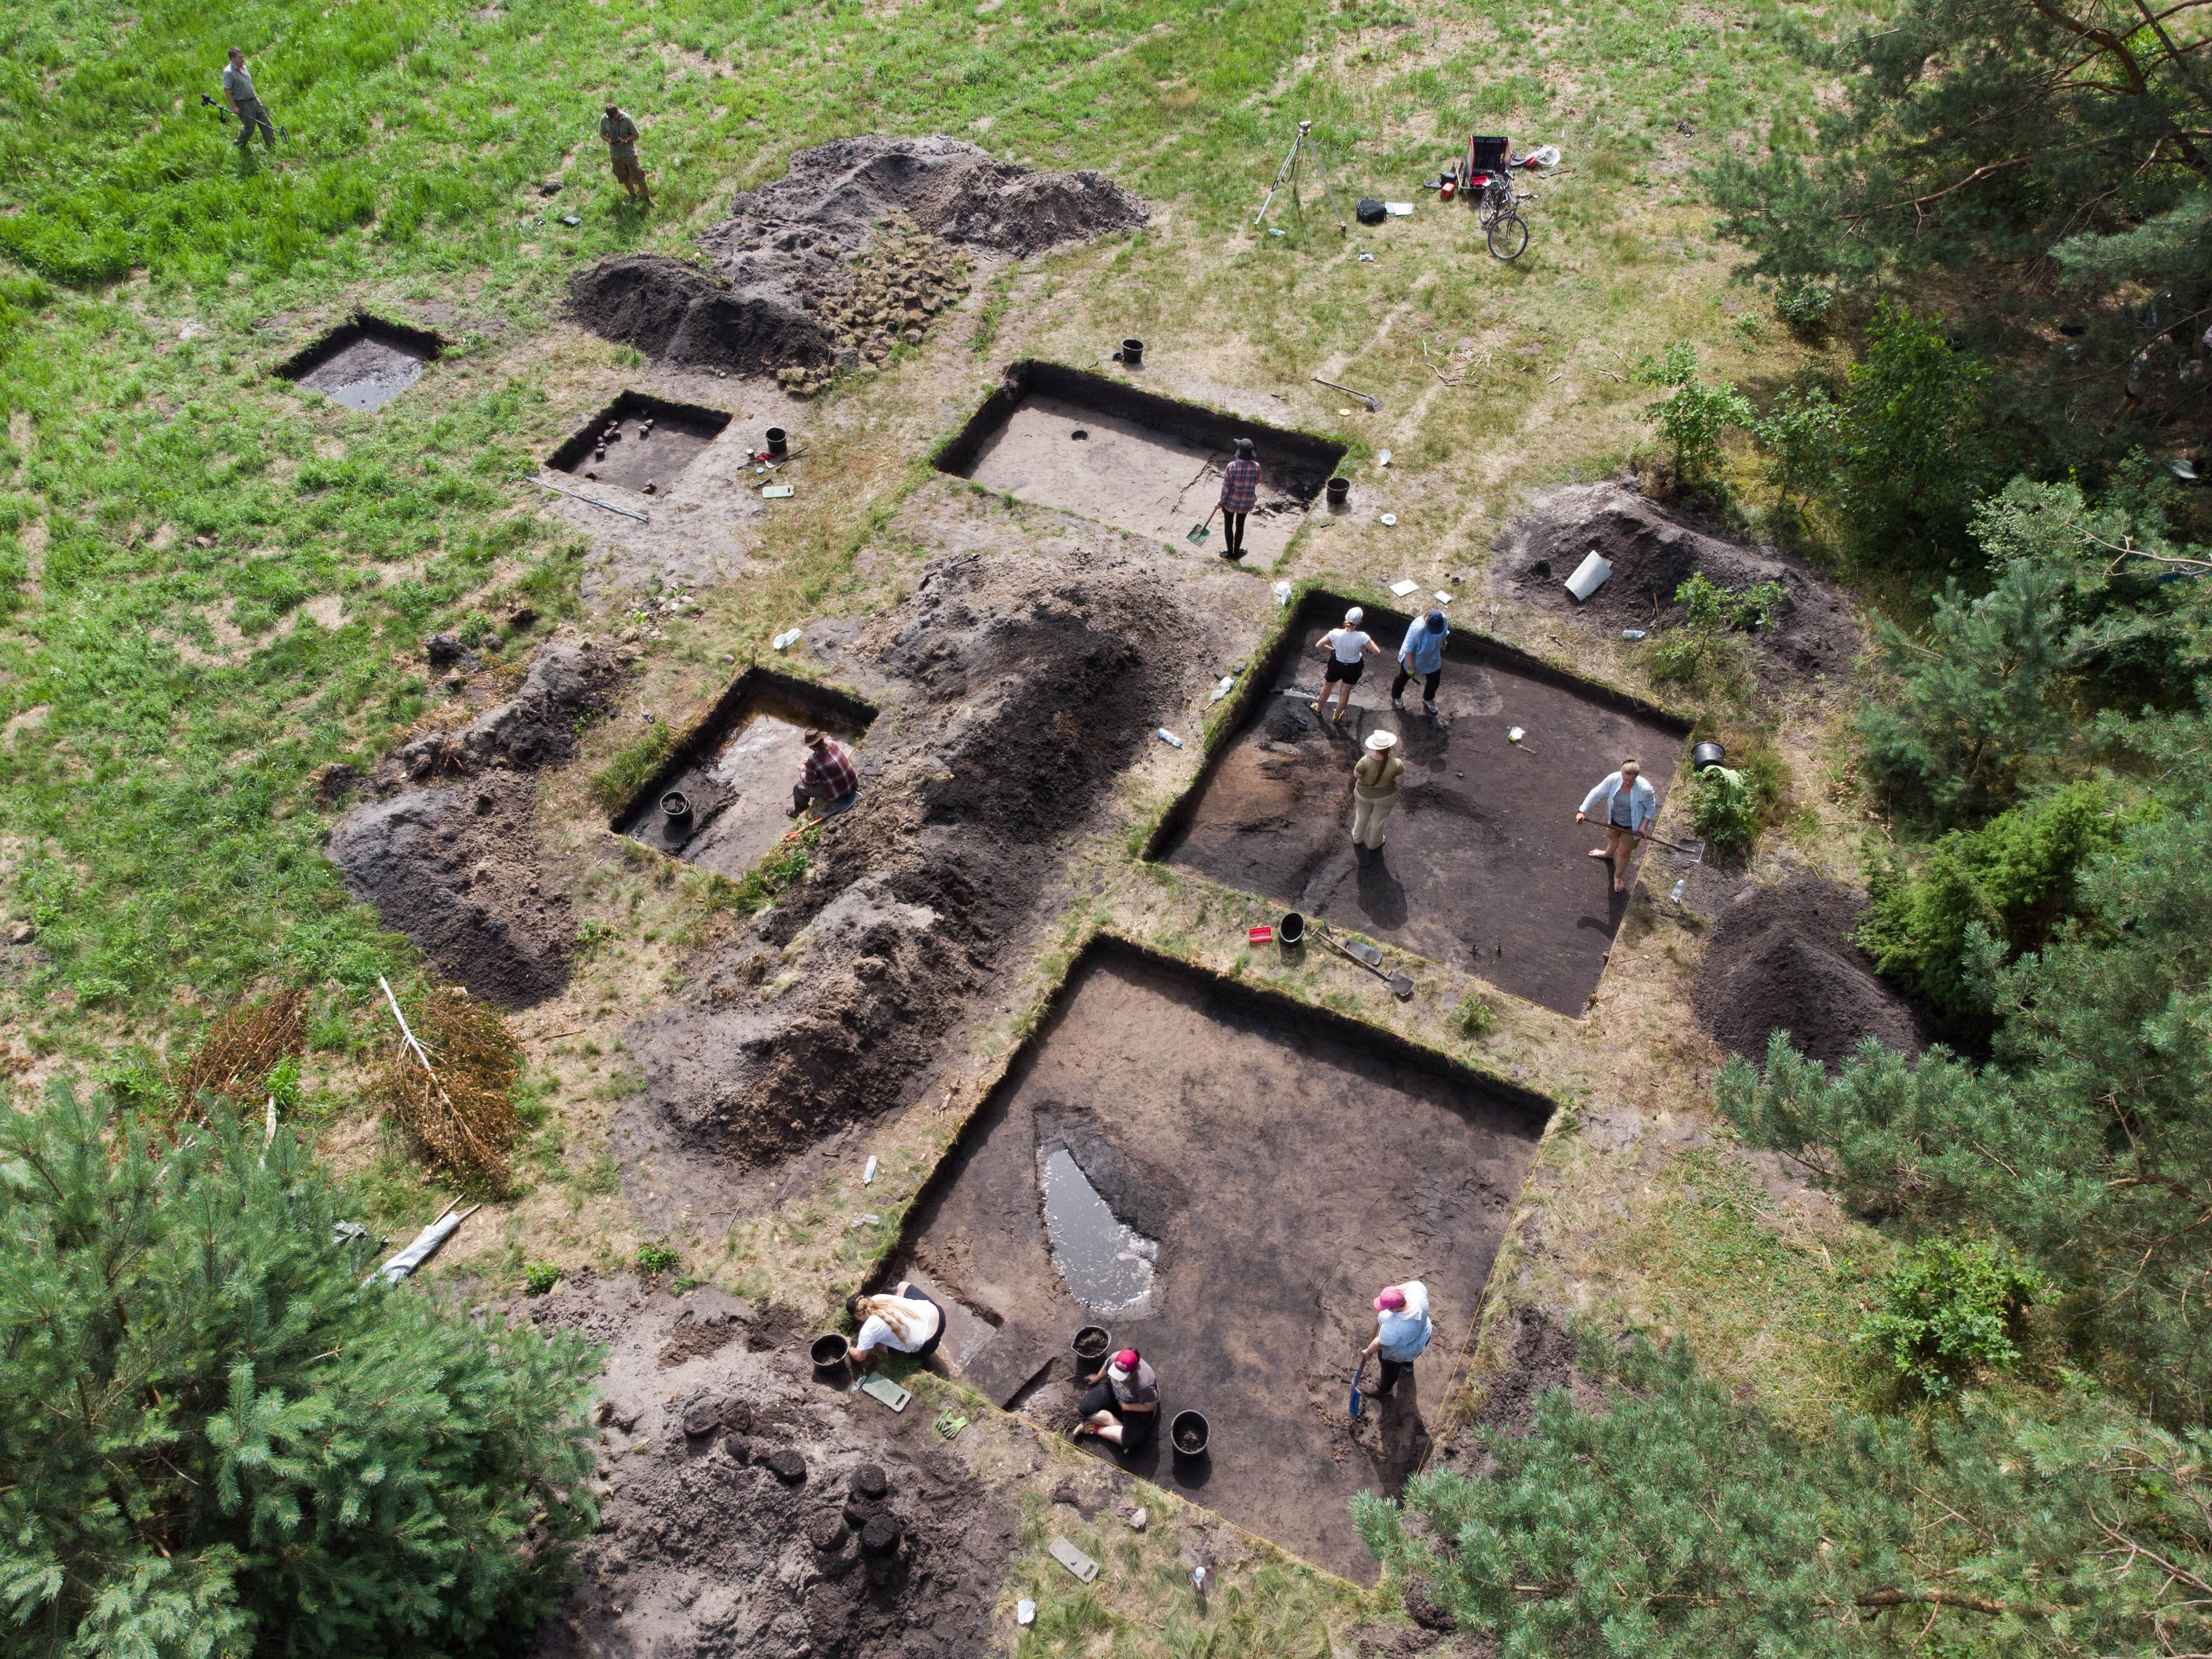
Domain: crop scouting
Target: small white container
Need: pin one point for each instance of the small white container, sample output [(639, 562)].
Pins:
[(1590, 576)]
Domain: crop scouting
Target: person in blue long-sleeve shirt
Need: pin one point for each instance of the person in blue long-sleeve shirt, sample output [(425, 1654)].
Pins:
[(1422, 654)]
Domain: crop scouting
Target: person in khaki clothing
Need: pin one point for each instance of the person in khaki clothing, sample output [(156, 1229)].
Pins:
[(1375, 789), (620, 134)]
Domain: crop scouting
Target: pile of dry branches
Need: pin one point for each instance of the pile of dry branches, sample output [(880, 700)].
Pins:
[(454, 1094), (245, 1043)]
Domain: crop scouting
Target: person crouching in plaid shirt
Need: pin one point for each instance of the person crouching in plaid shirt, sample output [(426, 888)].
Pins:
[(827, 777), (1240, 492)]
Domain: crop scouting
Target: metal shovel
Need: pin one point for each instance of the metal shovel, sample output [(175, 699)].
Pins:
[(1401, 986), (1692, 850), (1372, 402), (1358, 1373)]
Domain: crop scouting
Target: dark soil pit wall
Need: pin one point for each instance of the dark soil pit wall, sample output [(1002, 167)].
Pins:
[(738, 768), (1137, 461), (1483, 866), (1268, 1167), (638, 440), (366, 363)]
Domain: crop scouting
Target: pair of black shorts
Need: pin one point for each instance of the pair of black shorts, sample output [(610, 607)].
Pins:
[(1137, 1427), (1349, 672)]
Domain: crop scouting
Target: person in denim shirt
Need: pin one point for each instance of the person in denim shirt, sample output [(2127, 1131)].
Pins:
[(1625, 805), (1422, 654)]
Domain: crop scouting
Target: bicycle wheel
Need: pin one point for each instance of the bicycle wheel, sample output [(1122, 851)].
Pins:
[(1508, 236)]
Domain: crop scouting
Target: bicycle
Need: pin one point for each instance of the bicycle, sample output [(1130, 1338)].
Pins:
[(1502, 227)]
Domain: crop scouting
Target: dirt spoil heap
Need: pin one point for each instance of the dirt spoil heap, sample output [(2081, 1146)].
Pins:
[(1781, 959), (1653, 551), (855, 250), (746, 1510), (454, 866), (1027, 683)]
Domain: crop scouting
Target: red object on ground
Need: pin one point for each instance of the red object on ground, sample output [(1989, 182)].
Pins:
[(1447, 190), (1260, 934)]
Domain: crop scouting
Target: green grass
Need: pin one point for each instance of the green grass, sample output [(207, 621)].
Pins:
[(159, 492)]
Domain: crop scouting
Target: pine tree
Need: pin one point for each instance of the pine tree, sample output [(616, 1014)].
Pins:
[(216, 1440)]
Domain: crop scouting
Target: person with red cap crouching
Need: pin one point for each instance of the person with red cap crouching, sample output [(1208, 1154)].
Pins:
[(1402, 1330), (1123, 1406)]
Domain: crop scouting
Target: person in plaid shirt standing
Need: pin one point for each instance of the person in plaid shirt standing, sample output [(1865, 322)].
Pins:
[(827, 777), (1240, 492)]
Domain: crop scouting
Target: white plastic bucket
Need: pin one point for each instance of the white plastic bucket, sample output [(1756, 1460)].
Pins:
[(1590, 576)]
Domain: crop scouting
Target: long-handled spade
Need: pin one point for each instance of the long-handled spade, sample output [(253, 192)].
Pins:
[(1401, 986), (1372, 402), (1692, 850)]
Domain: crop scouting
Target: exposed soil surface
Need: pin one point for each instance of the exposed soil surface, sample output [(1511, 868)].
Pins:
[(1014, 689), (748, 1509), (641, 444), (851, 251), (1124, 473), (1781, 959), (1483, 866), (454, 866), (1288, 1167), (365, 363), (1653, 551)]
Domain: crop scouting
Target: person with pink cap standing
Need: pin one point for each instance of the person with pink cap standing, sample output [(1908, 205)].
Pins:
[(1123, 1406), (1402, 1330)]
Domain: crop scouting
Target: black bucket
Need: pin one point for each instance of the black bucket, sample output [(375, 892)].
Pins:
[(1290, 931), (778, 440), (1339, 491), (676, 806), (1189, 1436), (1707, 753), (1092, 1343), (830, 1352), (1132, 353)]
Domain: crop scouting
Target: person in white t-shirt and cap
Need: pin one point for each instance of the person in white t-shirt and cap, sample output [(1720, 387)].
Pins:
[(1402, 1330), (1348, 650)]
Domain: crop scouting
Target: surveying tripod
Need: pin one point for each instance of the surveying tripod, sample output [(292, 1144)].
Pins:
[(1290, 163)]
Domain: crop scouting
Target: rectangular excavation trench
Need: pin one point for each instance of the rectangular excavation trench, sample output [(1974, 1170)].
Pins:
[(364, 363), (1141, 462), (736, 769), (1483, 866), (1256, 1170), (653, 441)]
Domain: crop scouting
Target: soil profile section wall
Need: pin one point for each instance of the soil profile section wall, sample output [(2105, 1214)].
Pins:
[(757, 690), (417, 343), (1288, 1162), (1302, 461), (1482, 867)]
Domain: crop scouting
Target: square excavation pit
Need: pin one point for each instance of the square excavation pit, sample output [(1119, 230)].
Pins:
[(366, 363), (1483, 866), (737, 769), (639, 439), (1229, 1178), (1142, 463)]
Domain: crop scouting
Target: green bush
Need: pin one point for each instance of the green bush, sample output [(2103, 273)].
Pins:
[(216, 1440), (1951, 1308), (538, 1278), (1725, 809), (655, 1257), (2009, 883), (1694, 419), (1474, 1016)]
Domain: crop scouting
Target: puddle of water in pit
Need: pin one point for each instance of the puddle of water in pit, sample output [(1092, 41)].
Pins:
[(1108, 1265), (367, 374)]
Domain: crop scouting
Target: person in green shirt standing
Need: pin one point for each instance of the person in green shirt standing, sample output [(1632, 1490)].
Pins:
[(621, 134), (238, 92)]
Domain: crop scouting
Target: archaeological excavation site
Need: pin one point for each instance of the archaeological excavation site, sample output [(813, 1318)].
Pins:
[(916, 831)]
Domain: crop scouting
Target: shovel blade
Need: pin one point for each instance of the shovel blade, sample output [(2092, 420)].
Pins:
[(1199, 532), (1402, 988), (1355, 1402)]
